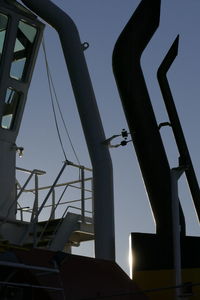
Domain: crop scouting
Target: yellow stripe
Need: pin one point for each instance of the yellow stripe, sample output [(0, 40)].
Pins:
[(149, 280)]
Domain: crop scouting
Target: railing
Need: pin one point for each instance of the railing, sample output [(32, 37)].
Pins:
[(38, 211)]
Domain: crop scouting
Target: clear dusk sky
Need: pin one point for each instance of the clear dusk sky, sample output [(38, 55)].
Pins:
[(100, 23)]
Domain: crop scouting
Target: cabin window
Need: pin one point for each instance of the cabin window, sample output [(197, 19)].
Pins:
[(3, 27), (10, 108), (23, 49)]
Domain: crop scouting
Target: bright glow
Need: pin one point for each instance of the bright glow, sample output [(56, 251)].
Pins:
[(130, 258)]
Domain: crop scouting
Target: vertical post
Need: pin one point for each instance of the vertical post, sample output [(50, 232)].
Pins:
[(35, 210), (92, 187), (53, 205), (36, 195), (83, 194), (175, 175), (21, 215)]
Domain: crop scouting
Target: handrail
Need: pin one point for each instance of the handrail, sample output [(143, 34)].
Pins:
[(35, 219), (38, 172), (52, 212), (27, 208), (64, 214), (35, 209), (69, 183), (17, 197), (61, 184), (82, 200), (74, 207), (23, 187), (50, 191), (90, 120)]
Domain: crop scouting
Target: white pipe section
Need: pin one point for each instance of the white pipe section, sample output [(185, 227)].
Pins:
[(91, 123)]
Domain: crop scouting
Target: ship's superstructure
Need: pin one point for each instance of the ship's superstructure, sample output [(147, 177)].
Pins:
[(21, 37), (34, 257), (35, 252)]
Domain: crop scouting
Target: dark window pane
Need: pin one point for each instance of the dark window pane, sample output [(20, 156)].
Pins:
[(28, 31), (10, 108), (3, 26), (23, 47)]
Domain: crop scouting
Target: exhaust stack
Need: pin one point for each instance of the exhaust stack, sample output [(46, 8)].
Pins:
[(91, 123)]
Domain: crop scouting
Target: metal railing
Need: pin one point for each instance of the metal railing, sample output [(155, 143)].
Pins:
[(35, 209)]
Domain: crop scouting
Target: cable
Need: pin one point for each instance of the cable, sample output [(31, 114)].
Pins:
[(51, 86), (64, 124), (52, 102), (143, 291)]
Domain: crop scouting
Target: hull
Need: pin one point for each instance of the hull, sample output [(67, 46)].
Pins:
[(42, 274)]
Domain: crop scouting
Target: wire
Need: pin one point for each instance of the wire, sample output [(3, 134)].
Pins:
[(143, 291), (53, 90), (64, 124), (52, 102)]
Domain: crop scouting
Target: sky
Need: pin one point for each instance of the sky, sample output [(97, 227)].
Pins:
[(100, 23)]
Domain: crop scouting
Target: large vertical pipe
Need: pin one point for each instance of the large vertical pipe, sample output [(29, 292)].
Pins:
[(176, 124), (139, 111), (91, 123)]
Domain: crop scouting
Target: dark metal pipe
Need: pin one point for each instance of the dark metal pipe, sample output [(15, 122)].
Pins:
[(185, 159), (139, 112), (90, 120)]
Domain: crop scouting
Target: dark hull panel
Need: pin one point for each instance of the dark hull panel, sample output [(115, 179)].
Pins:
[(41, 274), (153, 268)]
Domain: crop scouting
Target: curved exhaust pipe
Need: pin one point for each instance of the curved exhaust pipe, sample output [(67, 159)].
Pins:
[(139, 112), (91, 123), (176, 125)]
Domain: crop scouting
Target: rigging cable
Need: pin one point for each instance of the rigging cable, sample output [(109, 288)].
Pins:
[(139, 292), (53, 91)]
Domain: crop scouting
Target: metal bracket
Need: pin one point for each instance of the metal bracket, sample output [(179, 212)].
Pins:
[(124, 142), (85, 46)]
